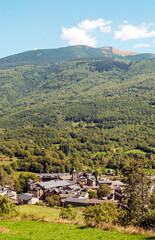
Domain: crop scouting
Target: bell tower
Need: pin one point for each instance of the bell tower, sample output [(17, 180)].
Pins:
[(74, 175)]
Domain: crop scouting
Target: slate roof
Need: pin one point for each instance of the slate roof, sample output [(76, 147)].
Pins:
[(105, 182), (54, 184), (118, 183), (74, 187), (51, 175), (67, 195), (75, 200), (83, 201), (25, 196), (95, 201)]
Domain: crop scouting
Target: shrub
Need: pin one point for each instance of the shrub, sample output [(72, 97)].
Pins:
[(148, 220), (103, 190), (53, 201), (103, 213), (68, 213), (6, 206), (92, 194)]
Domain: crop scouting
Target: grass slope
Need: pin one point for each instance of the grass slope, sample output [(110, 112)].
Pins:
[(32, 230), (39, 211)]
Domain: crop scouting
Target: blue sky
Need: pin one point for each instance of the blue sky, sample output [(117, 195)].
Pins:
[(42, 24)]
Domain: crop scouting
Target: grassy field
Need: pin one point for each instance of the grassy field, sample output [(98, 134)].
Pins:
[(39, 211), (31, 230)]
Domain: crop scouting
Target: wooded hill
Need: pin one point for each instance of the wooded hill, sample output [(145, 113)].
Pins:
[(84, 108)]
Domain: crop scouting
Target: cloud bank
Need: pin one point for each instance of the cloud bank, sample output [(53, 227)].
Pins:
[(87, 31), (82, 34), (128, 32), (100, 23), (77, 36)]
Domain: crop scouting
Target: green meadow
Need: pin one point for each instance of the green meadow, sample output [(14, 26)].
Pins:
[(31, 230), (39, 211)]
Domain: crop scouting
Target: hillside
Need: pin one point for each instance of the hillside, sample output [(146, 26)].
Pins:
[(78, 90), (31, 230), (50, 56), (84, 113)]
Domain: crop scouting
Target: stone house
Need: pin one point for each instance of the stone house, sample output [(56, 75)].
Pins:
[(27, 198), (7, 192)]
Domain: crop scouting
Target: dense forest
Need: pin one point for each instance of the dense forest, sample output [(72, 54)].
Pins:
[(89, 114)]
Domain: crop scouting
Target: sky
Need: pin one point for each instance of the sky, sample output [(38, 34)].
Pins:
[(47, 24)]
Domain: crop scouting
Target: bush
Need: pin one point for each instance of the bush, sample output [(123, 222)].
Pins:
[(103, 213), (68, 213), (6, 206), (92, 194), (103, 190), (148, 220), (53, 201)]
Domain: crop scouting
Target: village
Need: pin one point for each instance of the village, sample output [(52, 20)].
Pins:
[(73, 189)]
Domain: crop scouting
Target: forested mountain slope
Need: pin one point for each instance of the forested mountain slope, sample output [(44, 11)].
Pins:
[(77, 113), (99, 90)]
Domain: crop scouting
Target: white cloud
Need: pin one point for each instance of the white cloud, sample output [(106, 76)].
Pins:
[(82, 34), (128, 32), (77, 36), (100, 23), (139, 45), (34, 48)]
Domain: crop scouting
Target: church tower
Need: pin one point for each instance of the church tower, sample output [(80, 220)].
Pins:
[(74, 175)]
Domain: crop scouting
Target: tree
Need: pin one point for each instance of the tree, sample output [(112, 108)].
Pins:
[(23, 179), (102, 213), (53, 201), (4, 177), (136, 195), (17, 186), (103, 190), (6, 206), (68, 213), (92, 194)]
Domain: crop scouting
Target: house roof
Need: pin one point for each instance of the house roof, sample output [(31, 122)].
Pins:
[(75, 200), (118, 183), (51, 175), (67, 195), (74, 187), (26, 196), (83, 200), (105, 182), (65, 177), (54, 184), (82, 195), (95, 201), (52, 190)]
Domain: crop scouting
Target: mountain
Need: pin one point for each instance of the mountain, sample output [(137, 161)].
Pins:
[(95, 89), (59, 114), (113, 52), (49, 56)]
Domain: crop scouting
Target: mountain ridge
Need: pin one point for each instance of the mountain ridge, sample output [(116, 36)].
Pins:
[(50, 56), (117, 51)]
